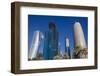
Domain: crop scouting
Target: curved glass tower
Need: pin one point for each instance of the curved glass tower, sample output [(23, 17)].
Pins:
[(80, 43), (79, 35), (37, 37)]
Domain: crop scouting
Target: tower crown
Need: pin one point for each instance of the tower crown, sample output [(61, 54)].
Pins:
[(52, 26)]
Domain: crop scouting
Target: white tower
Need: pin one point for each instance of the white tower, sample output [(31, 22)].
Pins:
[(79, 36), (67, 48), (37, 37), (67, 42), (80, 43)]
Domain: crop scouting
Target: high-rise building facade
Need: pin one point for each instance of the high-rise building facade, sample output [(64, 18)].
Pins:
[(51, 42), (67, 49), (80, 43), (36, 41)]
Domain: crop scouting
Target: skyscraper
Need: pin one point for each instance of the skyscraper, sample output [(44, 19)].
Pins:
[(67, 49), (36, 41), (80, 43), (51, 42)]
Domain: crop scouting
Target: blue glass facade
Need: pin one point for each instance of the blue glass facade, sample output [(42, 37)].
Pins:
[(50, 43)]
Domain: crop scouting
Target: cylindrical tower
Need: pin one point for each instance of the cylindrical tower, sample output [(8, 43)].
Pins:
[(79, 36), (80, 43), (37, 37)]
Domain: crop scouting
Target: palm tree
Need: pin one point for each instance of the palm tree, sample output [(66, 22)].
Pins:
[(80, 53), (77, 50)]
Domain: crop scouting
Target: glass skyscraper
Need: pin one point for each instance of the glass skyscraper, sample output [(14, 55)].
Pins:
[(36, 41), (67, 54), (51, 42)]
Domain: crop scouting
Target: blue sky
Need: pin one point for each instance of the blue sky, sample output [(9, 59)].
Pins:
[(64, 25)]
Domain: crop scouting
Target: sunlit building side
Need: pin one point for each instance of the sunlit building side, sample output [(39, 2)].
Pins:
[(33, 52), (80, 43), (67, 49)]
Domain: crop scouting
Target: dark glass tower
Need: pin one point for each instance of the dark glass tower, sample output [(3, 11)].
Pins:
[(51, 42)]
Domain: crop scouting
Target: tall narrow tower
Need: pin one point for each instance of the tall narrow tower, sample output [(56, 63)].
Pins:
[(37, 37), (80, 43), (51, 42), (67, 49)]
